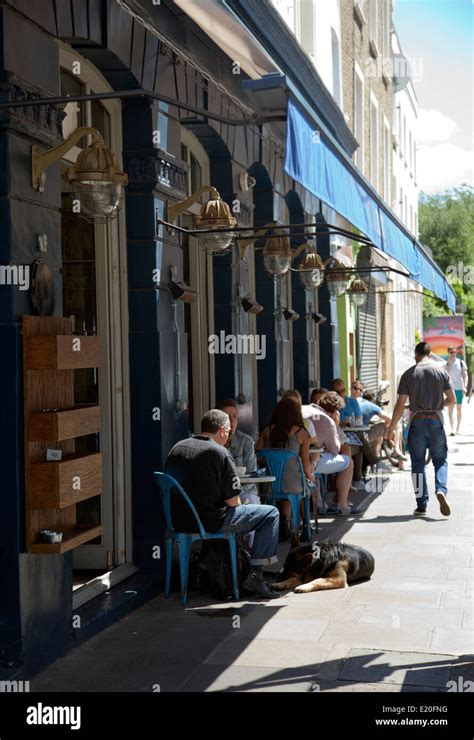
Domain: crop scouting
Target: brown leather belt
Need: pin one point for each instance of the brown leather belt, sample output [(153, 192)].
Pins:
[(431, 415)]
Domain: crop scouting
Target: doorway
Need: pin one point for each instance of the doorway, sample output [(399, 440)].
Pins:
[(198, 274), (94, 284)]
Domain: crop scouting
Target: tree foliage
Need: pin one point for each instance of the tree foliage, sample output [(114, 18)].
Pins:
[(447, 227)]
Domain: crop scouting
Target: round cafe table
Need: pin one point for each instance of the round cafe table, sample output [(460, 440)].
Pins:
[(356, 429), (245, 479)]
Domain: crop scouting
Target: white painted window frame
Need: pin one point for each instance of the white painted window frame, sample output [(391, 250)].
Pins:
[(374, 139), (360, 152)]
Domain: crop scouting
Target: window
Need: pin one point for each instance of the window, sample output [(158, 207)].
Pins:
[(307, 34), (71, 85), (385, 31), (410, 152), (373, 12), (374, 146), (411, 225), (404, 150), (405, 209), (359, 117), (386, 160), (88, 113), (336, 69)]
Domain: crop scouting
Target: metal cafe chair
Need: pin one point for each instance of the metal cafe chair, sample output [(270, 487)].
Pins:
[(276, 461), (168, 486)]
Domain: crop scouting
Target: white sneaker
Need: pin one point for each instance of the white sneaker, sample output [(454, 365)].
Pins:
[(358, 485), (444, 507)]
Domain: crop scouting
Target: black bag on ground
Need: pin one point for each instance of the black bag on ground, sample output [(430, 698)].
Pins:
[(215, 570)]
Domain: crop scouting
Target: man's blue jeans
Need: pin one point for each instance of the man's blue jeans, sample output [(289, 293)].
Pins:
[(427, 434), (264, 521)]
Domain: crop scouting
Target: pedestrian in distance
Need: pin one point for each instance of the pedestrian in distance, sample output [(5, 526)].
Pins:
[(428, 388)]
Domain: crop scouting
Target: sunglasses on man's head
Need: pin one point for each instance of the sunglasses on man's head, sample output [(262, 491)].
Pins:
[(453, 352), (357, 388)]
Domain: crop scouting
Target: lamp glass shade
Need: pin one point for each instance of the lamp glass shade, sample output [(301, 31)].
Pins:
[(276, 264), (99, 200), (217, 244), (358, 299)]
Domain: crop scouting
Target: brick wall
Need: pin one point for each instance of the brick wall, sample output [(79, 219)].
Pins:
[(355, 48)]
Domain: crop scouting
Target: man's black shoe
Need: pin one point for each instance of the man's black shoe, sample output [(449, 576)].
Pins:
[(419, 511), (256, 585)]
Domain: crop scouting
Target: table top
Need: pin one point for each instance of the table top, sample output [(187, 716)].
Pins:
[(257, 478), (356, 429)]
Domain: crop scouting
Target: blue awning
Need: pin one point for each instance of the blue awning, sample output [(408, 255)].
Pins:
[(314, 164)]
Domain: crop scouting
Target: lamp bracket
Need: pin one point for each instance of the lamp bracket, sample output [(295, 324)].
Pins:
[(41, 161), (175, 209)]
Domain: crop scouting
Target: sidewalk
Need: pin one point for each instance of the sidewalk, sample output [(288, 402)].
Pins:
[(408, 629)]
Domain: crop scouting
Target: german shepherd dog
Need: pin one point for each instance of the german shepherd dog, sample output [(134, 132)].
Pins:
[(320, 566)]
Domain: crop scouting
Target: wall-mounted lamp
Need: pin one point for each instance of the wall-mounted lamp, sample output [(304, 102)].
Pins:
[(215, 214), (311, 268), (277, 254), (290, 315), (358, 291), (251, 306), (338, 273), (96, 181)]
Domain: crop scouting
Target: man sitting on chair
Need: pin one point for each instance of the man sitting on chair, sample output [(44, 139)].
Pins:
[(206, 471)]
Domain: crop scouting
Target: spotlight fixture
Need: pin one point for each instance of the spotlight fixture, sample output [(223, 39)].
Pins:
[(318, 318), (290, 315), (251, 306), (182, 292)]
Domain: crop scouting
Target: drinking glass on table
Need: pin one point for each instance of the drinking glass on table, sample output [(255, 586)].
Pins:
[(359, 421)]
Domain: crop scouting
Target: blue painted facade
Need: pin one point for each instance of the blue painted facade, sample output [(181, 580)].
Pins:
[(36, 606)]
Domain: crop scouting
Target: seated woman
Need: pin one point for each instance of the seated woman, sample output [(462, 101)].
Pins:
[(307, 423), (286, 430), (336, 457)]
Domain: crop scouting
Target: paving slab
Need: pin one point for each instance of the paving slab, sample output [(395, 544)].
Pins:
[(271, 653), (403, 668)]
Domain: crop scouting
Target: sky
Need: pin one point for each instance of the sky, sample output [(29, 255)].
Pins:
[(438, 36)]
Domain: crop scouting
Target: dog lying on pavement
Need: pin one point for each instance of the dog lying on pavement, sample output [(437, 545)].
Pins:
[(320, 566)]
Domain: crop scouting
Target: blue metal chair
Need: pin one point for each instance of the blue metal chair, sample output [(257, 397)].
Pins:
[(184, 540), (276, 461)]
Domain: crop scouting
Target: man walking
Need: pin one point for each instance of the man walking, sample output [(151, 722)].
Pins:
[(428, 388), (458, 373), (207, 473)]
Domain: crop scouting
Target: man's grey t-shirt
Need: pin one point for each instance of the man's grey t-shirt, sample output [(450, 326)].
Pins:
[(425, 385)]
